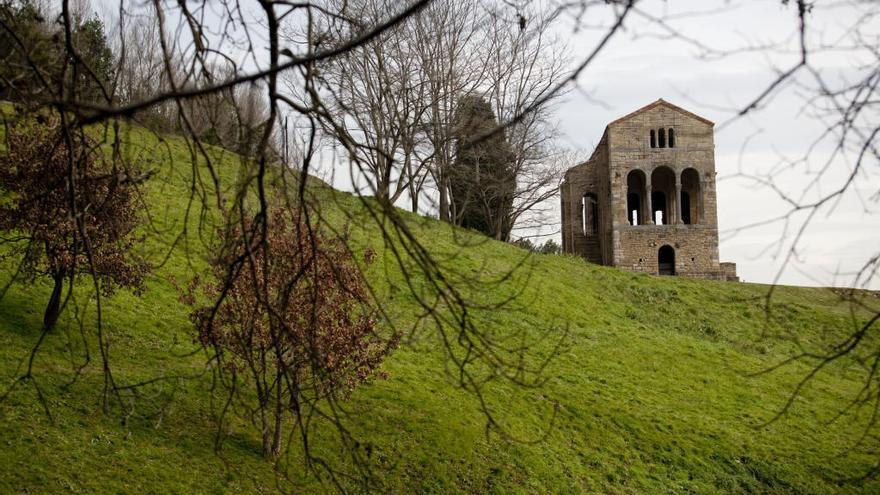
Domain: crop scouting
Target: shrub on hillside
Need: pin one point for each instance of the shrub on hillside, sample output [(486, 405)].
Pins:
[(549, 247), (287, 314), (66, 211)]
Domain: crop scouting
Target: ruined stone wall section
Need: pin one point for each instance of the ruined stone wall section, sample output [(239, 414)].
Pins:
[(603, 189), (729, 271), (579, 180)]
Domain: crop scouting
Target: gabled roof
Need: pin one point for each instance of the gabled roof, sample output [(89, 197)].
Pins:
[(665, 103), (645, 108)]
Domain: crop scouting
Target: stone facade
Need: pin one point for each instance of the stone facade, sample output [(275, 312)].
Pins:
[(645, 200)]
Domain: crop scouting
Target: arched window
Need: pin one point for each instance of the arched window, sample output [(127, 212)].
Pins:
[(691, 199), (671, 138), (591, 214), (653, 139), (663, 196), (661, 138), (636, 199), (584, 215), (666, 260), (633, 205)]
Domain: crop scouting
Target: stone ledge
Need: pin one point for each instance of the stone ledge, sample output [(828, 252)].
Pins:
[(666, 228)]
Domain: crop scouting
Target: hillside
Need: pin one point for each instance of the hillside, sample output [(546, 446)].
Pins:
[(651, 383)]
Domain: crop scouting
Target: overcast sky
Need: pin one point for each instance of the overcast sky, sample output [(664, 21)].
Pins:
[(637, 68)]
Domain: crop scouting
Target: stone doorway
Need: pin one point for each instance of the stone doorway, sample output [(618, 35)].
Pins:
[(666, 260)]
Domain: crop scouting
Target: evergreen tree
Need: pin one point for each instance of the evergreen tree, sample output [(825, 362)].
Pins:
[(482, 182), (33, 56), (94, 70), (29, 55)]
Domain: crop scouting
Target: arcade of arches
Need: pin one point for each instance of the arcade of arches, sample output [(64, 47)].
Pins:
[(667, 199)]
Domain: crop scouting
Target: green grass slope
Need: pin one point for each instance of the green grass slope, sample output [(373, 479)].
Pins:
[(650, 386)]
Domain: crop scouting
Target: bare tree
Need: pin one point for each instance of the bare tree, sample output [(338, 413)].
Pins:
[(400, 92), (374, 93), (445, 37), (527, 63)]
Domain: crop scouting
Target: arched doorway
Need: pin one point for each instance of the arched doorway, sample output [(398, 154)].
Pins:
[(666, 260)]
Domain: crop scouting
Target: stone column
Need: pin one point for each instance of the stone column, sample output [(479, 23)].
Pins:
[(649, 218), (700, 214), (678, 219)]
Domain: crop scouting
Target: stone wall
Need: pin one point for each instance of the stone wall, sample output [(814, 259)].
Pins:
[(696, 249), (728, 269)]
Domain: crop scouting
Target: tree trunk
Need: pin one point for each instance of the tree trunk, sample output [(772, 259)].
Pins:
[(271, 416), (279, 416), (444, 198), (50, 317), (267, 416), (266, 430)]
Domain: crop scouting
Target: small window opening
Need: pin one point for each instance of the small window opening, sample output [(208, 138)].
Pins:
[(653, 139), (584, 215), (661, 138), (671, 138), (634, 217)]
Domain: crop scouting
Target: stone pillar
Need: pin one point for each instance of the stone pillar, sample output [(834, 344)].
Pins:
[(649, 218), (678, 219), (700, 215)]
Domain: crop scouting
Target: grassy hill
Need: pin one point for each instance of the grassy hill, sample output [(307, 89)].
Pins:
[(651, 384)]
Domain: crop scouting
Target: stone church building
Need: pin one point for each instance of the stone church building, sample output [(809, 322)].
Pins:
[(645, 200)]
